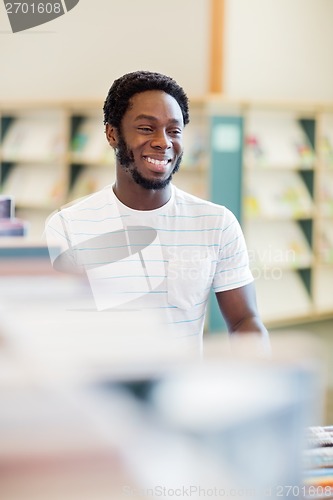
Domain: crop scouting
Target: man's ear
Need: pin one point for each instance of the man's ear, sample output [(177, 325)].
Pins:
[(112, 135)]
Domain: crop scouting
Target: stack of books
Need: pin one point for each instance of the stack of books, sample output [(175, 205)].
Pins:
[(318, 463), (9, 225)]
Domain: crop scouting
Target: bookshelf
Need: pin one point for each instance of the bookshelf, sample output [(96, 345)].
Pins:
[(33, 160), (270, 163), (323, 299), (54, 153), (193, 174), (279, 208), (91, 161), (277, 177)]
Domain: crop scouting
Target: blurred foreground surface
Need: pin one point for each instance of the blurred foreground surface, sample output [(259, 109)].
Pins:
[(106, 405)]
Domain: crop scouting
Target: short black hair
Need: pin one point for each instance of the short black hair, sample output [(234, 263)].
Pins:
[(122, 89)]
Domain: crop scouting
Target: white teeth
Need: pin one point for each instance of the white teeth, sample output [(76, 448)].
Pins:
[(157, 162)]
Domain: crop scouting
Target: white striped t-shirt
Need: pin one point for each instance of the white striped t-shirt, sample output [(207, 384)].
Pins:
[(166, 260)]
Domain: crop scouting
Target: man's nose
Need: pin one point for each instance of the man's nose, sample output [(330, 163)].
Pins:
[(161, 140)]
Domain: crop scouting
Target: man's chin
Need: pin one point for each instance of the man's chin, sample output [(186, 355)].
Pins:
[(150, 184)]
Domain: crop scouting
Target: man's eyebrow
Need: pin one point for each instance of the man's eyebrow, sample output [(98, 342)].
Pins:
[(154, 119)]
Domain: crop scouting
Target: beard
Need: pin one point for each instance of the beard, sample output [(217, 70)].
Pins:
[(126, 159)]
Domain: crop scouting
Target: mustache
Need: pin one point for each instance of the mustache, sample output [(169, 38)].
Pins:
[(125, 158)]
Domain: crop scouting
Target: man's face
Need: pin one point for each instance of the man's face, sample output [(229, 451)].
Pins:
[(150, 147)]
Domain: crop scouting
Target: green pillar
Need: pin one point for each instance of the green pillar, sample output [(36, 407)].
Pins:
[(226, 149)]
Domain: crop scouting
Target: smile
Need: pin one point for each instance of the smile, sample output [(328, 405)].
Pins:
[(161, 163)]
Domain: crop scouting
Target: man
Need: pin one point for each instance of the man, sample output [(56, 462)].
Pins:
[(145, 244)]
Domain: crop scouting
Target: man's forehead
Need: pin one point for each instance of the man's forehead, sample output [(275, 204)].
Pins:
[(143, 102), (154, 106)]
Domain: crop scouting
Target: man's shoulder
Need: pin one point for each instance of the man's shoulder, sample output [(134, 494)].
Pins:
[(188, 201), (92, 200), (90, 203), (202, 212)]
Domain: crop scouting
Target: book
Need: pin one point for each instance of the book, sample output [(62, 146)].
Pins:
[(195, 146), (12, 227), (326, 241), (323, 280), (276, 140), (89, 144), (326, 193), (40, 185), (92, 178), (33, 139), (277, 244), (281, 194), (281, 294), (192, 182), (326, 141)]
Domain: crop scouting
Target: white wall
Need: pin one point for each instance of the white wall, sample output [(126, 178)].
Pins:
[(279, 49), (79, 54), (275, 49)]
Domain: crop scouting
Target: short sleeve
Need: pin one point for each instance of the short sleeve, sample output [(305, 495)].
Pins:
[(59, 243), (232, 270)]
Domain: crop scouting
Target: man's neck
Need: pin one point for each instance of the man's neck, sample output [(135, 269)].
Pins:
[(138, 198)]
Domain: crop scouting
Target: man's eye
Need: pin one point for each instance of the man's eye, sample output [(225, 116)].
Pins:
[(145, 129), (176, 132)]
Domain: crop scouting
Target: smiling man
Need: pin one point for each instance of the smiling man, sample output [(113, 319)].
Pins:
[(144, 243), (152, 150)]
